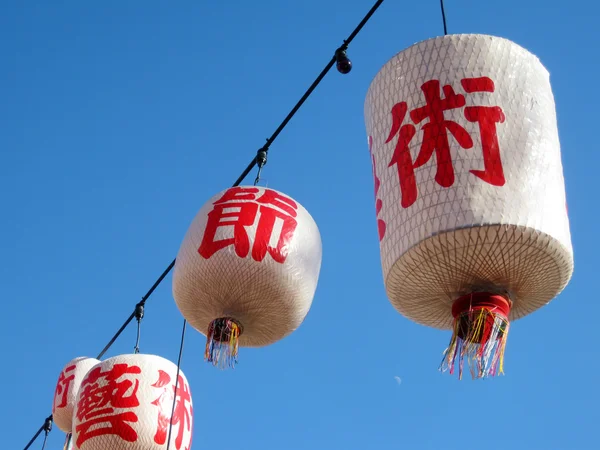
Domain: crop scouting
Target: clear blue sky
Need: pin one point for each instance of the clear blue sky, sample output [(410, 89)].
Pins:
[(119, 119)]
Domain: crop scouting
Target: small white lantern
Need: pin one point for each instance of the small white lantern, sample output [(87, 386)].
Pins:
[(125, 403), (247, 270), (66, 390)]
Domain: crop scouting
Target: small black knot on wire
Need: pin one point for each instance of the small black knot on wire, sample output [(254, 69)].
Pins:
[(342, 62), (47, 429), (261, 160), (139, 315), (261, 157), (48, 424), (139, 311)]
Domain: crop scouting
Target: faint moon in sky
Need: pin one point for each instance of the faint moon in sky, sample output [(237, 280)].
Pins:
[(398, 379)]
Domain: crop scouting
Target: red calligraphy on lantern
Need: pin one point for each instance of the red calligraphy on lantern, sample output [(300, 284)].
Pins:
[(182, 414), (436, 132), (103, 393), (435, 136), (239, 208), (381, 226), (486, 117), (401, 157), (62, 386)]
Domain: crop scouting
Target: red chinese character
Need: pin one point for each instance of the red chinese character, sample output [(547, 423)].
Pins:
[(435, 137), (181, 415), (481, 84), (273, 198), (62, 386), (401, 157), (487, 117), (378, 202), (238, 193), (99, 400), (230, 211), (243, 217)]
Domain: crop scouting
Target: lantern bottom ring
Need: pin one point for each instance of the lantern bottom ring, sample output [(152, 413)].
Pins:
[(479, 334)]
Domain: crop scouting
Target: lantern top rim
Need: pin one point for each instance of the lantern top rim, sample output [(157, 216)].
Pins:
[(120, 355), (449, 37)]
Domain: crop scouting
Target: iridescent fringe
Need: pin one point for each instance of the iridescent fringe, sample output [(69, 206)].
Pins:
[(479, 336), (222, 343)]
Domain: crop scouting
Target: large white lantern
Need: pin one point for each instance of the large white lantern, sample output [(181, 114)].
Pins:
[(470, 193), (247, 270), (125, 403), (66, 390)]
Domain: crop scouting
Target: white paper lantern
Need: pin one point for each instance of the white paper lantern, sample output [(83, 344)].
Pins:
[(470, 192), (125, 403), (66, 390), (248, 267)]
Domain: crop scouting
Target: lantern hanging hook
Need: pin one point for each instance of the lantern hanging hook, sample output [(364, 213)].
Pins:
[(139, 315), (261, 160), (47, 429)]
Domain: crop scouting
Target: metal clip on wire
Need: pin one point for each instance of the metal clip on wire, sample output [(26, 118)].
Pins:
[(139, 315), (48, 425), (261, 160), (342, 62), (47, 429)]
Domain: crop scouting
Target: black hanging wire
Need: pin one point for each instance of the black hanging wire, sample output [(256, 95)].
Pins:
[(176, 383), (132, 315), (444, 17), (38, 432), (115, 337), (340, 53), (45, 440), (344, 65)]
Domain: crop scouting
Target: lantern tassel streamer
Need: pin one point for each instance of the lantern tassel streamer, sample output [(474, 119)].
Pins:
[(479, 337), (222, 343)]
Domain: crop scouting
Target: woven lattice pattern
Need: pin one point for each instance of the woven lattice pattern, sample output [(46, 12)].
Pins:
[(466, 153), (531, 266)]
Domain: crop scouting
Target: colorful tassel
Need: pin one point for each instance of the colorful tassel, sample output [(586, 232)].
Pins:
[(222, 342), (480, 331)]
